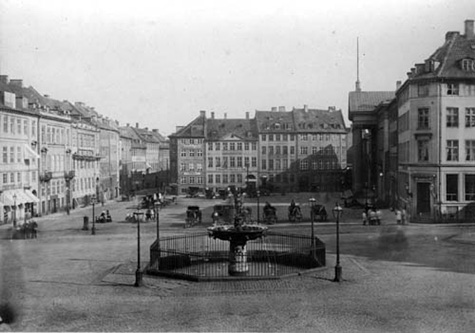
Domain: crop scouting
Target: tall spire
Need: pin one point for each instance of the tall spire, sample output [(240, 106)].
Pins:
[(357, 84)]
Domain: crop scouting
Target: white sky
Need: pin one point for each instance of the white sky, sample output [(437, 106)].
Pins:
[(159, 63)]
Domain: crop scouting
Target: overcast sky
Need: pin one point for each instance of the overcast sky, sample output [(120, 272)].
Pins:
[(159, 63)]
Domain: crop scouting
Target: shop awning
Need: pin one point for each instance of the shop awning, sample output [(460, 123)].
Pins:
[(8, 198), (30, 152)]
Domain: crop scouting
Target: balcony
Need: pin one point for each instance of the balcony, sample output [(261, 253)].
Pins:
[(68, 175), (46, 176)]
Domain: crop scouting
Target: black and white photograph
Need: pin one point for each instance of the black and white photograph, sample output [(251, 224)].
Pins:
[(237, 166)]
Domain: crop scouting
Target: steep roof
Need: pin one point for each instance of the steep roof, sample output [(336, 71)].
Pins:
[(314, 120), (364, 101), (446, 61), (274, 121), (244, 129), (145, 135), (195, 129)]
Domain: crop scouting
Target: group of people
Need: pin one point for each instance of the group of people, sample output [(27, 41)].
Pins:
[(104, 217)]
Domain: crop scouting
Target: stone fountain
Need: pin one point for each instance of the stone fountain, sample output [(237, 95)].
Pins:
[(238, 234)]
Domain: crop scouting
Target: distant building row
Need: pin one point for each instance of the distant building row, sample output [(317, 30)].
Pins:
[(298, 150), (57, 155)]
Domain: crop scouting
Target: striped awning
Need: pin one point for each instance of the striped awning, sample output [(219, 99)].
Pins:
[(17, 197)]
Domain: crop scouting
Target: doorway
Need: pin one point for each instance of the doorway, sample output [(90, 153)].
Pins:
[(423, 199)]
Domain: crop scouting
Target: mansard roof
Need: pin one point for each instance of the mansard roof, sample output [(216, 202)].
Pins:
[(274, 121), (315, 120), (243, 129)]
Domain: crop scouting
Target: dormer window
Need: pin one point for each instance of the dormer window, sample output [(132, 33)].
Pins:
[(468, 65)]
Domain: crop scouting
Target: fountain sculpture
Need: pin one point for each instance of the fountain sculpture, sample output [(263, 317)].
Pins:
[(238, 234)]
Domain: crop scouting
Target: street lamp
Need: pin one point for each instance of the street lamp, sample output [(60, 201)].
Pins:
[(157, 210), (138, 273), (14, 212), (312, 218), (258, 193), (337, 212), (93, 230)]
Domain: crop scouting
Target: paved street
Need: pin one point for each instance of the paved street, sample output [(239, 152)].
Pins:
[(411, 278)]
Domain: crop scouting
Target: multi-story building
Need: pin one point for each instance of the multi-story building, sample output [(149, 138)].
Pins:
[(277, 149), (436, 127), (321, 149), (187, 156), (231, 153), (19, 161), (85, 156), (109, 162)]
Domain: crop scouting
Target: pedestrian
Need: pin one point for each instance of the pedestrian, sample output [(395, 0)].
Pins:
[(403, 216), (365, 217), (398, 216)]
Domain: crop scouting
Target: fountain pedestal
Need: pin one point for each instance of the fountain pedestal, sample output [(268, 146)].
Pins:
[(238, 238)]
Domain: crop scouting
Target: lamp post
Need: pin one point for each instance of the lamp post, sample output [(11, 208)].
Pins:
[(93, 230), (312, 218), (14, 212), (138, 272), (258, 193), (337, 212)]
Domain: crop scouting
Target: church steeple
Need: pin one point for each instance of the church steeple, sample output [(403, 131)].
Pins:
[(357, 83)]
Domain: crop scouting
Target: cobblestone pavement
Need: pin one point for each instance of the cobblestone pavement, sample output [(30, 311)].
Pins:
[(69, 280)]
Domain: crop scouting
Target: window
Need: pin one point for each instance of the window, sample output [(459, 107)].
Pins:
[(452, 117), (452, 187), (470, 150), (292, 137), (314, 150), (239, 146), (264, 165), (314, 165), (232, 146), (452, 89), (423, 150), (210, 146), (199, 167), (277, 164), (5, 155), (470, 117), (5, 124), (192, 153), (284, 137), (292, 150), (239, 161), (303, 165), (192, 180), (232, 162), (468, 65), (254, 146), (285, 150), (218, 179), (183, 153), (12, 154), (271, 164), (191, 167), (277, 150), (199, 152), (254, 162), (225, 162), (218, 162), (225, 146), (271, 150), (263, 137), (210, 162), (25, 127), (18, 126), (12, 125), (452, 150), (18, 154), (225, 179), (271, 137), (470, 187), (218, 145), (285, 163), (183, 180), (182, 166), (239, 178), (246, 146), (423, 118), (422, 90), (277, 137), (232, 178), (303, 150), (264, 150), (304, 137), (246, 161)]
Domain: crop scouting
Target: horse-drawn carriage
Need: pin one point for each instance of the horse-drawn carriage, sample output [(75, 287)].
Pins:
[(193, 216), (270, 214), (318, 211), (295, 213)]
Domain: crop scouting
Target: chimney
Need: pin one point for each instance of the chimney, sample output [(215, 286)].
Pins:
[(305, 107), (282, 108), (4, 79), (155, 130), (203, 113), (212, 115), (146, 128), (128, 124), (274, 108), (247, 115), (332, 108), (225, 115), (398, 85), (136, 125), (451, 34), (45, 95), (469, 34), (18, 83)]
